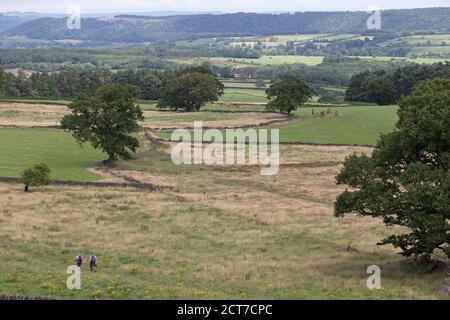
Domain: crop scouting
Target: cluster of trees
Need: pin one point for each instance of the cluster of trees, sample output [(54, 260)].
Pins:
[(56, 59), (71, 82), (334, 70), (369, 86), (353, 48), (190, 89), (288, 94), (387, 87)]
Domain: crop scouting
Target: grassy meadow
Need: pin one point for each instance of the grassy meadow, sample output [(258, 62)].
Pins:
[(24, 147), (243, 95), (354, 125), (213, 232), (360, 125), (220, 232), (276, 60), (416, 50)]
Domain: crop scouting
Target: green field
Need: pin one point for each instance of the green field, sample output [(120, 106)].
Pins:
[(263, 61), (355, 125), (230, 95), (21, 148), (277, 60), (360, 125), (410, 59), (296, 37), (243, 95), (337, 37), (432, 39), (431, 50)]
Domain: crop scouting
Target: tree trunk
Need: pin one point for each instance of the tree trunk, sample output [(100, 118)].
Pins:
[(26, 188), (111, 159)]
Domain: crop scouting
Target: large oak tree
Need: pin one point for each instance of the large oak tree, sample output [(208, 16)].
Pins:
[(406, 181), (107, 120), (287, 95), (190, 89)]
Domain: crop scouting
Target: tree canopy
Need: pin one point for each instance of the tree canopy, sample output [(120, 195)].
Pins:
[(406, 181), (190, 89), (287, 95), (38, 175), (387, 87), (107, 120)]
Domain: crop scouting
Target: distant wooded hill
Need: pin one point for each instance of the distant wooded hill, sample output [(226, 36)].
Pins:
[(128, 28), (11, 20)]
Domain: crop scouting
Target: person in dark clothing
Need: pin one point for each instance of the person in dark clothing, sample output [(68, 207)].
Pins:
[(79, 260), (93, 262)]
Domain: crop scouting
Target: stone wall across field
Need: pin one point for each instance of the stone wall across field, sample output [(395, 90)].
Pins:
[(137, 185)]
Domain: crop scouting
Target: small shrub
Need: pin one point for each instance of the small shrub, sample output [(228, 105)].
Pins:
[(39, 175)]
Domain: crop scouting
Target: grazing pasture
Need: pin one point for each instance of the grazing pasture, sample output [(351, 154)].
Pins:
[(354, 125), (24, 147), (165, 120), (263, 61), (47, 115), (30, 114), (243, 95), (416, 50), (219, 233), (360, 125), (432, 39), (294, 37), (277, 60)]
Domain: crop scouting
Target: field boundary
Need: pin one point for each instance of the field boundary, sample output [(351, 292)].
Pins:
[(262, 124), (289, 143), (73, 183), (34, 102)]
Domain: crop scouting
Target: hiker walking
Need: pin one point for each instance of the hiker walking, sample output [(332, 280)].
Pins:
[(93, 262), (79, 260)]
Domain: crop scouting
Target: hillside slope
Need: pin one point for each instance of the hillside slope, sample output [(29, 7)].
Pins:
[(128, 28)]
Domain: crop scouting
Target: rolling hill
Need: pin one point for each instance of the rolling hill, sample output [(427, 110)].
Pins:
[(133, 28)]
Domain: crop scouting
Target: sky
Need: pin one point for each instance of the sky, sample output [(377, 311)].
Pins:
[(115, 6)]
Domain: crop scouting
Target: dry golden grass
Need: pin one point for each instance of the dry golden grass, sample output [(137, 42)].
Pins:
[(48, 115), (220, 232), (31, 115), (157, 120)]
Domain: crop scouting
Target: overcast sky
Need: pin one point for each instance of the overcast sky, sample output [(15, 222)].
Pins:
[(107, 6)]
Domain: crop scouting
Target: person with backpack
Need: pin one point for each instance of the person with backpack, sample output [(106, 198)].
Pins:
[(79, 260), (93, 262)]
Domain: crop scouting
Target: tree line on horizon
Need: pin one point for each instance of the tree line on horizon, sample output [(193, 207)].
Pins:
[(384, 88), (164, 29)]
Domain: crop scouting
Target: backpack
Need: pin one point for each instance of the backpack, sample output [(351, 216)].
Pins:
[(93, 259), (79, 258)]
